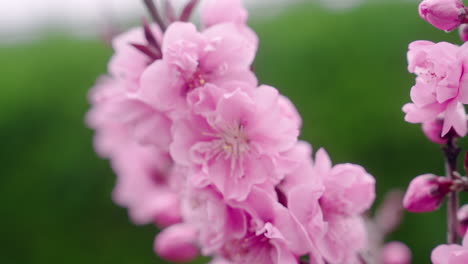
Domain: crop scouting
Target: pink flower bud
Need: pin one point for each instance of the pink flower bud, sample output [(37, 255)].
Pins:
[(177, 243), (395, 253), (442, 14), (425, 193), (463, 32), (167, 211), (433, 131), (462, 216)]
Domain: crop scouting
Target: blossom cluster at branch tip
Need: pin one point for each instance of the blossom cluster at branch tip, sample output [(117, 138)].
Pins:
[(441, 88), (204, 152), (439, 96)]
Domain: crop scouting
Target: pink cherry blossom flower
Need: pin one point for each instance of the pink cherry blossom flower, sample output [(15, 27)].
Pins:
[(124, 133), (302, 188), (117, 116), (349, 189), (303, 204), (345, 238), (442, 14), (263, 207), (441, 85), (256, 230), (110, 135), (177, 243), (236, 145), (451, 254), (266, 246), (395, 253), (143, 185), (327, 201), (425, 193), (274, 236), (215, 221), (218, 55)]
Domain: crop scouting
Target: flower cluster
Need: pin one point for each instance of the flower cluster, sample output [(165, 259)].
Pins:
[(203, 151), (439, 97), (441, 88)]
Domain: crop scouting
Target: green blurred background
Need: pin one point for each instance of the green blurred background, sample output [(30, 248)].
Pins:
[(346, 73)]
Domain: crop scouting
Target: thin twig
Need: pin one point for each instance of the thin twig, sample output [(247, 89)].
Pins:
[(451, 151)]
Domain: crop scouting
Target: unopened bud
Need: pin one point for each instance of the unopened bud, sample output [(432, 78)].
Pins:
[(443, 14), (433, 130), (395, 253), (176, 243), (463, 32), (462, 216), (166, 210), (425, 193)]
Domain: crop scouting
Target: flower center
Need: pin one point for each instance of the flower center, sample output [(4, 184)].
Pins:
[(429, 75), (229, 143), (197, 79), (234, 141)]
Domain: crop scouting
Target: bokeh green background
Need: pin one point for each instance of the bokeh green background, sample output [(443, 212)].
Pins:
[(346, 73)]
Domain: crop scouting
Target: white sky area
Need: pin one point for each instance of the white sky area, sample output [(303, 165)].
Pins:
[(25, 19)]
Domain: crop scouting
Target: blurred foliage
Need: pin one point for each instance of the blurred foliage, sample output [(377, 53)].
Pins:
[(346, 73)]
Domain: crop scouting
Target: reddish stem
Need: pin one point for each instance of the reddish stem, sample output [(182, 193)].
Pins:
[(451, 151)]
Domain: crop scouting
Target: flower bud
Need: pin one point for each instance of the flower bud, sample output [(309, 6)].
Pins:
[(463, 32), (433, 131), (442, 14), (176, 243), (395, 253), (425, 193), (166, 210), (462, 216)]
